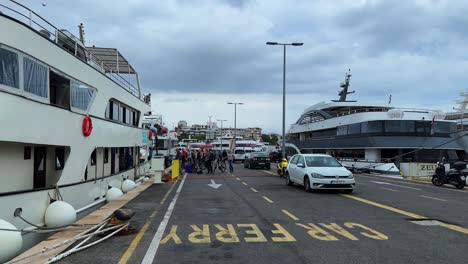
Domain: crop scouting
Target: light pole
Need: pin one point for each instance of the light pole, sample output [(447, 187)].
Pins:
[(221, 120), (235, 117), (283, 147)]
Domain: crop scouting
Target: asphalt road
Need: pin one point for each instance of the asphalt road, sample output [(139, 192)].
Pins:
[(253, 217)]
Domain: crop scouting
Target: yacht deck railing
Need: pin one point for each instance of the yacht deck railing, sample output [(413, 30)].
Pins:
[(35, 21)]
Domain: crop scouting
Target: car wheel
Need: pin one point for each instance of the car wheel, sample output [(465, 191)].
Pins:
[(307, 184), (348, 191), (268, 167), (288, 180), (245, 165)]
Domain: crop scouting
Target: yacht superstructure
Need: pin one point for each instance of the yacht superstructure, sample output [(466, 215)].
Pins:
[(83, 128), (374, 137)]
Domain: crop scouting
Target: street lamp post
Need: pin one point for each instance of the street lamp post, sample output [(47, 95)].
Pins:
[(235, 117), (221, 120), (283, 146)]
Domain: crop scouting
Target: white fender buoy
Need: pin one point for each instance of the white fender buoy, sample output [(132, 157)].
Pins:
[(59, 213), (128, 185), (113, 193), (11, 242)]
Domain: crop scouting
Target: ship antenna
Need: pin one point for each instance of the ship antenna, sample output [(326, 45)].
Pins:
[(82, 33), (345, 85)]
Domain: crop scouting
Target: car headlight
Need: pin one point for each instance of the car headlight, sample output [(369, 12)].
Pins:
[(316, 175), (350, 176)]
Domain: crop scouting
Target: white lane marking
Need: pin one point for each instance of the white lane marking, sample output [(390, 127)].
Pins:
[(253, 190), (154, 245), (393, 190), (267, 199), (402, 186), (238, 179), (269, 172), (433, 198), (360, 183)]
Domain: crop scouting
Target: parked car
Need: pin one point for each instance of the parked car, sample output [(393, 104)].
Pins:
[(257, 160), (319, 171), (240, 154)]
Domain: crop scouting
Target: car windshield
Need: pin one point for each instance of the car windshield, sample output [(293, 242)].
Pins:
[(317, 161)]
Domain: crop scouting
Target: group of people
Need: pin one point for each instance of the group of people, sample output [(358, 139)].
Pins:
[(206, 157)]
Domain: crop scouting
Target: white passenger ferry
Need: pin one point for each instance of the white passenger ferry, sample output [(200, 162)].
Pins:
[(82, 131)]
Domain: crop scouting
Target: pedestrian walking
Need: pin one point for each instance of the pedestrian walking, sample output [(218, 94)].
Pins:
[(207, 159), (231, 160)]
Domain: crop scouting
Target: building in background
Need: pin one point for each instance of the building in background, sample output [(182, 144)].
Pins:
[(211, 131)]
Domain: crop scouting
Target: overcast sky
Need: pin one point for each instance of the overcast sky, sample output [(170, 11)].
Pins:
[(196, 55)]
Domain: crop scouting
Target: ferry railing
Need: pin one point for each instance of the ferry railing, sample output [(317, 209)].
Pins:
[(35, 21)]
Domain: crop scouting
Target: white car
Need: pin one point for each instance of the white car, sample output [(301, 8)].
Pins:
[(319, 171)]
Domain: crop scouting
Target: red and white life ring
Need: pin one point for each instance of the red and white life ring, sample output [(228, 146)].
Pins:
[(87, 126)]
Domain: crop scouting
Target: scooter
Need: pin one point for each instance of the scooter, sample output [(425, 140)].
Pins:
[(281, 167), (456, 176)]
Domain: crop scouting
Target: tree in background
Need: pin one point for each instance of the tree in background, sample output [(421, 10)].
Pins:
[(272, 139)]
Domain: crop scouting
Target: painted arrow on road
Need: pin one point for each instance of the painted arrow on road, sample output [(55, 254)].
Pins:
[(214, 184)]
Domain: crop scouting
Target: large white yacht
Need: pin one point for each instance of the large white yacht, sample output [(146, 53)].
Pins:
[(71, 119), (375, 138)]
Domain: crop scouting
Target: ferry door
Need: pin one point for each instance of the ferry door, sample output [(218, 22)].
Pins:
[(39, 167)]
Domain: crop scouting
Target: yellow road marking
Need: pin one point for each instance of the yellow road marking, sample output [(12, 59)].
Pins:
[(129, 252), (253, 190), (293, 217), (386, 207), (433, 198), (268, 200), (456, 228), (244, 183), (406, 213)]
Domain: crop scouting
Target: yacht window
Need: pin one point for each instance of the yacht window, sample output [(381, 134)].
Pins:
[(374, 127), (59, 90), (9, 68), (106, 155), (127, 116), (393, 126), (35, 77), (442, 127), (407, 126), (93, 158), (81, 95), (364, 127), (342, 131), (107, 114), (354, 129), (59, 158), (422, 127), (122, 113), (114, 111)]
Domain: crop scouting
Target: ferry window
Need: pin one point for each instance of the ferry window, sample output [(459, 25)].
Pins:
[(9, 68), (106, 155), (130, 117), (127, 116), (35, 77), (81, 95), (59, 90), (122, 113), (342, 131), (93, 158), (354, 129), (374, 127), (107, 114), (364, 127), (59, 158), (114, 111)]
